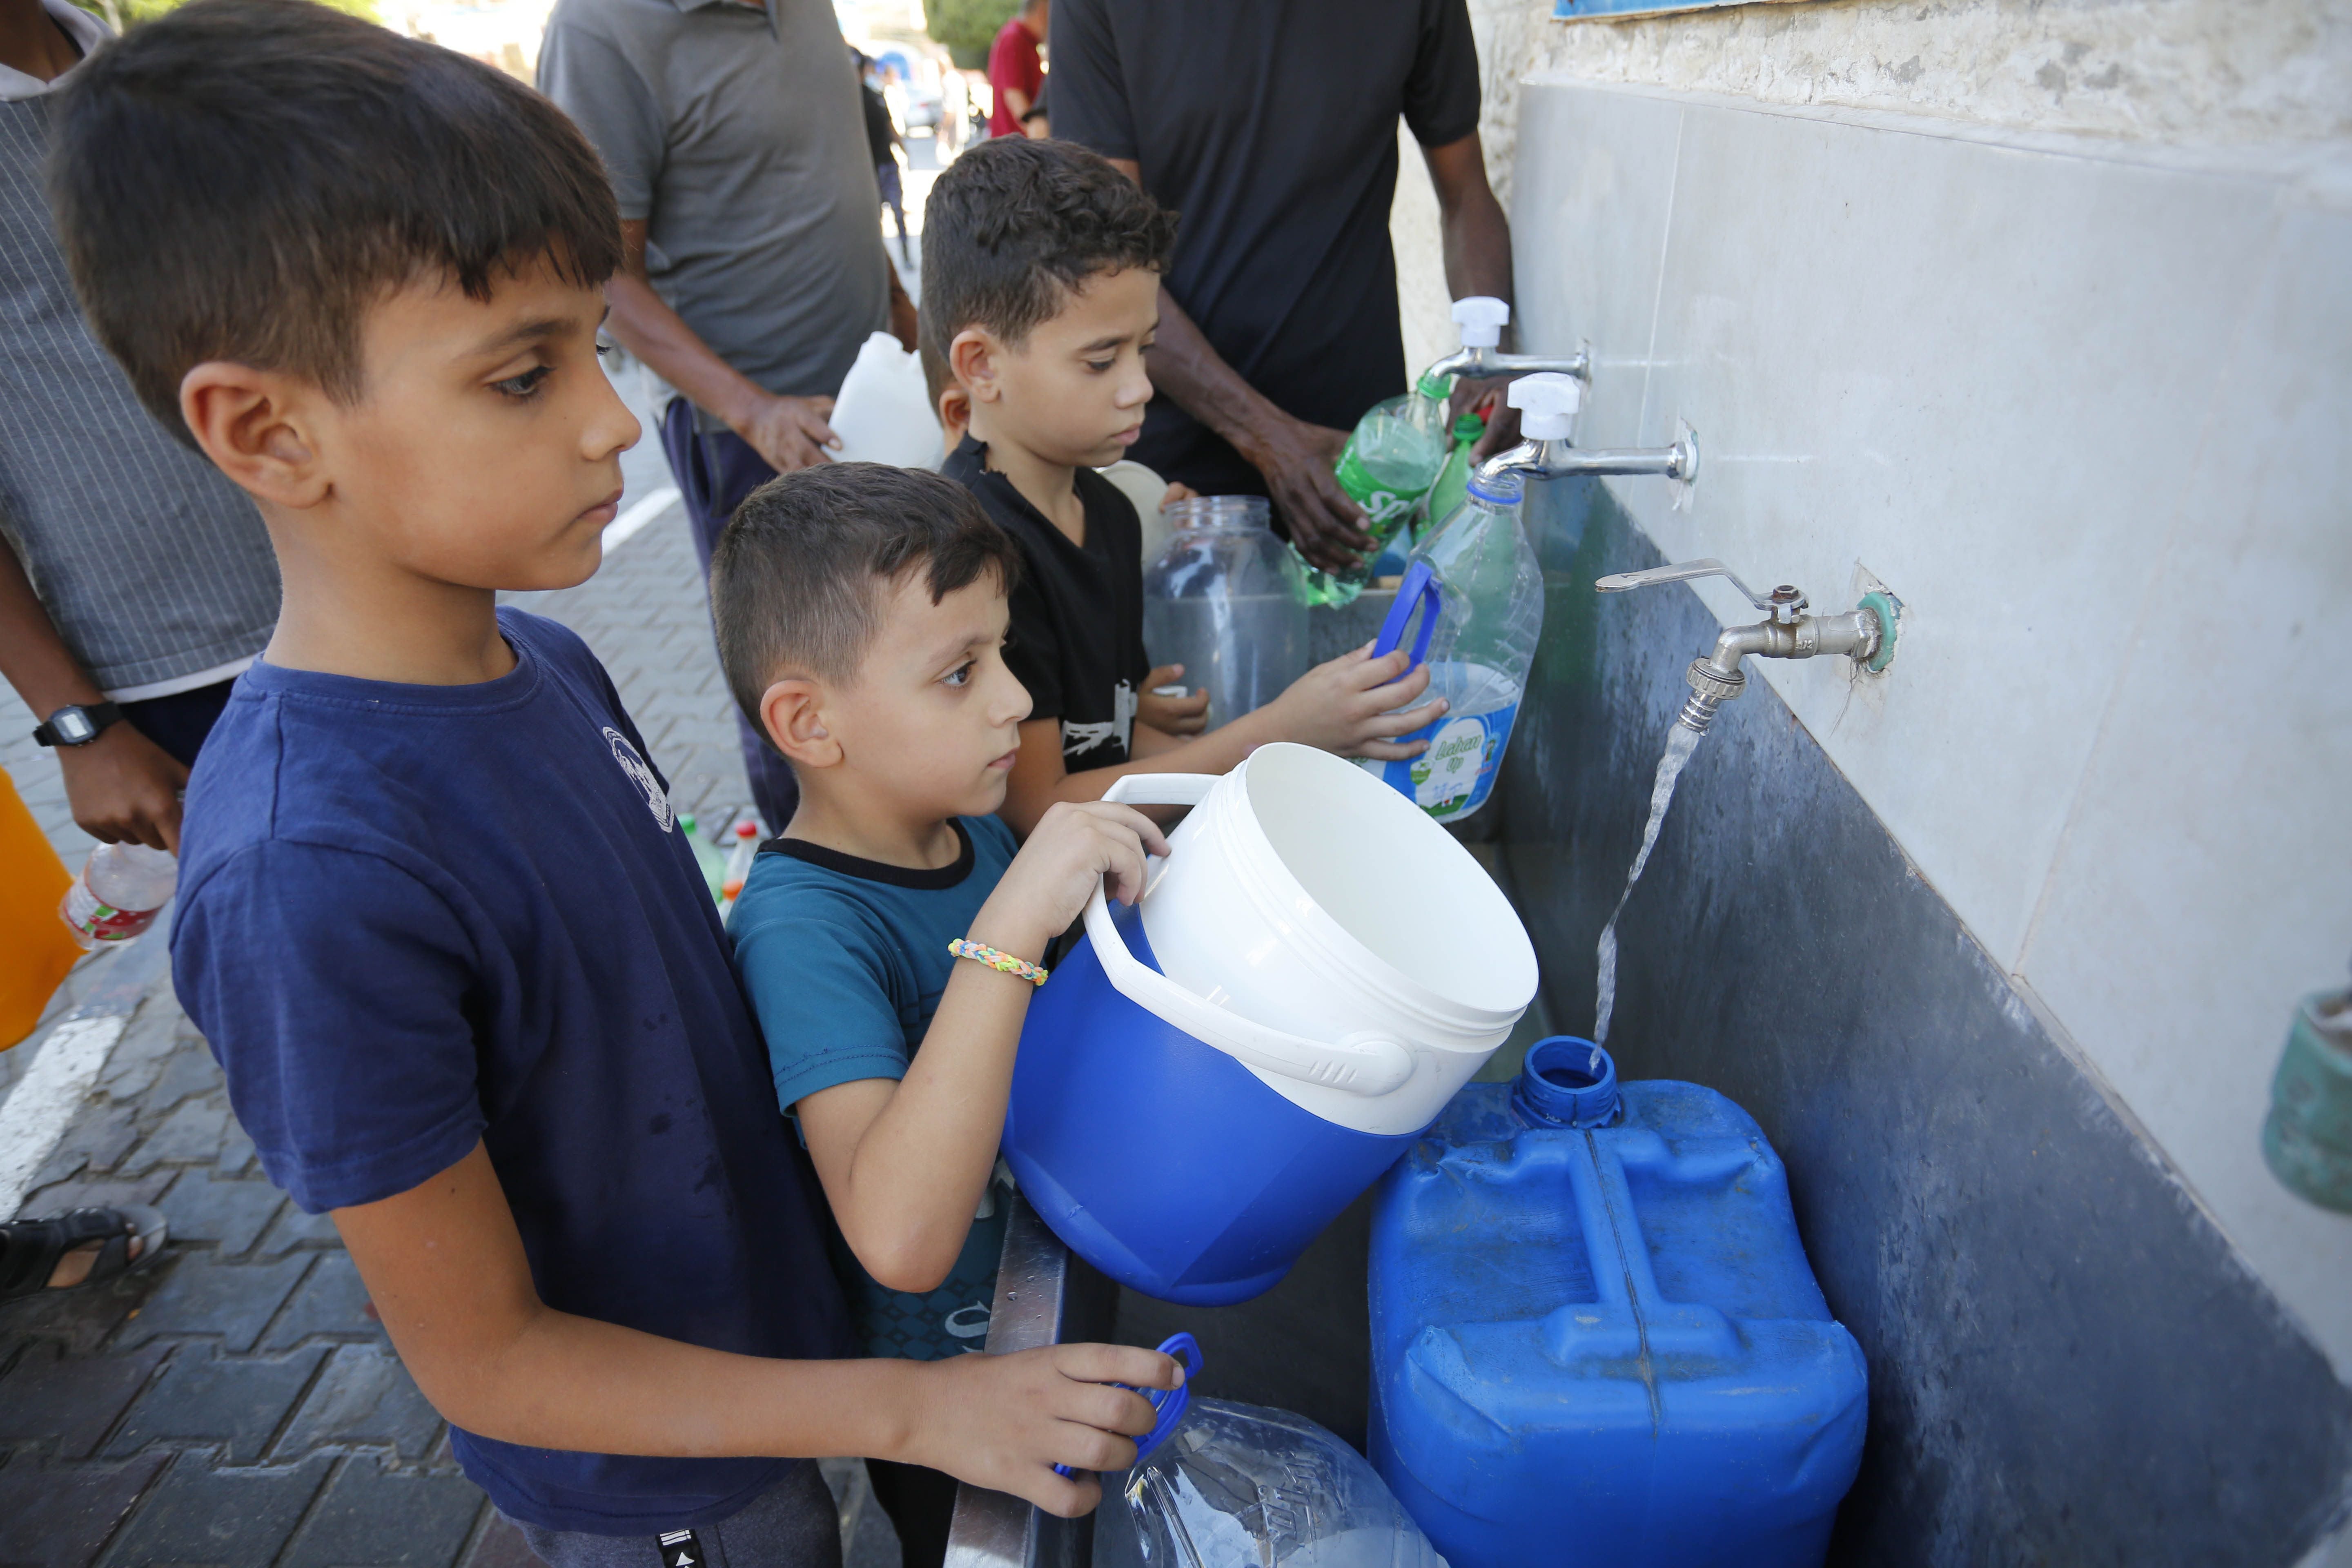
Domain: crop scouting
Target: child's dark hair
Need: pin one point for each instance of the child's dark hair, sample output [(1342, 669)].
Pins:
[(240, 179), (1013, 225), (798, 577)]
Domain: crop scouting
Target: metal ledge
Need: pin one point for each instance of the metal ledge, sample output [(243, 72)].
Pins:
[(1043, 1297)]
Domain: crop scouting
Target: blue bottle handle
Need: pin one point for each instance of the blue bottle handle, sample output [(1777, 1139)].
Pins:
[(1418, 587), (1170, 1403)]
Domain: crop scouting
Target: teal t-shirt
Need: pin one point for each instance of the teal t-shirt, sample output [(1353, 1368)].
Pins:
[(845, 961)]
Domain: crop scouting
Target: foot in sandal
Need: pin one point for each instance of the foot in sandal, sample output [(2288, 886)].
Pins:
[(80, 1247)]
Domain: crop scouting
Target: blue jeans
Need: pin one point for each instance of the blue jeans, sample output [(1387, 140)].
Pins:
[(715, 470)]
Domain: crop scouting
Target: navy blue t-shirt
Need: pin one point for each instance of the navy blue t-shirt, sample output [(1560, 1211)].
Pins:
[(414, 917)]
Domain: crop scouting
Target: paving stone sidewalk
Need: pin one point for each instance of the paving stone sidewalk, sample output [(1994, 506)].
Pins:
[(240, 1405)]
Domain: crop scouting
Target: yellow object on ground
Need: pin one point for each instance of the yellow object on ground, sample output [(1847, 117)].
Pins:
[(35, 949)]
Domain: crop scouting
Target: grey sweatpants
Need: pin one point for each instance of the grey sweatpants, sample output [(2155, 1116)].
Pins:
[(792, 1524)]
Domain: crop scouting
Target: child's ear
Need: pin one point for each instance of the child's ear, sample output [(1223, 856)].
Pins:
[(255, 426), (792, 712), (972, 360)]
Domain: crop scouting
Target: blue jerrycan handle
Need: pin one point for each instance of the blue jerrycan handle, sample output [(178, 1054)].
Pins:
[(1418, 587), (1170, 1403)]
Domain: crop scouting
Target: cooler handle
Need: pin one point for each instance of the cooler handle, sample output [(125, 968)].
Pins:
[(1367, 1064), (1420, 586)]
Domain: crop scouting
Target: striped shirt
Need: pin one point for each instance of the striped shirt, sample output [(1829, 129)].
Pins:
[(155, 570)]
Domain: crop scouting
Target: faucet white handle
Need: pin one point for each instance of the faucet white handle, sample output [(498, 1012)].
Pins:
[(1548, 404), (1482, 318), (1784, 602)]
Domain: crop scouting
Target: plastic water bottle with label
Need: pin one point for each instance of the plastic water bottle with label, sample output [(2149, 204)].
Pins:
[(1476, 591), (120, 888)]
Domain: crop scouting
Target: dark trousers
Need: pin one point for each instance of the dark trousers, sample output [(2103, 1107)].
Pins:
[(921, 1506), (180, 722), (715, 470)]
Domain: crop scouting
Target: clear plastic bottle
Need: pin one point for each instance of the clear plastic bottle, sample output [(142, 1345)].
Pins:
[(1490, 617), (1387, 466), (1222, 601), (739, 861), (120, 888), (1241, 1487)]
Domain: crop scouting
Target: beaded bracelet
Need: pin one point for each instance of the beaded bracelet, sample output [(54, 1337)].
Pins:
[(1002, 962)]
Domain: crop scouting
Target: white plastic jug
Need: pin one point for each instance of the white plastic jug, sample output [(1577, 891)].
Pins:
[(883, 413)]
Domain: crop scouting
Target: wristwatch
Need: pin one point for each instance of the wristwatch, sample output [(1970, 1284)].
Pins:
[(77, 726)]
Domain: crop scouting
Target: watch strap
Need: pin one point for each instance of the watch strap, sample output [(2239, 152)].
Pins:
[(99, 714)]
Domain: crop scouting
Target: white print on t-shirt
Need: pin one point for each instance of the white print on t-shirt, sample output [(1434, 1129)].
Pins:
[(1081, 738), (641, 775)]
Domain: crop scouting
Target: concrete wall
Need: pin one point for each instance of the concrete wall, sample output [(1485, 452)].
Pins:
[(2040, 313)]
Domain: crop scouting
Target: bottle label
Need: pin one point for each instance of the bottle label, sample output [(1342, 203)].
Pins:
[(102, 923), (1384, 508), (1453, 777)]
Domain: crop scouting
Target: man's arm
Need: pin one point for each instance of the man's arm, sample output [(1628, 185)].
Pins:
[(1477, 240), (1296, 458), (789, 432), (122, 786), (445, 1270)]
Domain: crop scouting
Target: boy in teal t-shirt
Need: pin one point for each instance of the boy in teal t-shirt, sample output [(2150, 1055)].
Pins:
[(861, 611)]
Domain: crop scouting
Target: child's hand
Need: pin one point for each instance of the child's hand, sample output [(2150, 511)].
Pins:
[(1003, 1422), (1049, 882), (1178, 490), (1345, 706), (1172, 715)]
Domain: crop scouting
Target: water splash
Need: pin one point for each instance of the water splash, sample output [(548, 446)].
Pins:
[(1681, 742)]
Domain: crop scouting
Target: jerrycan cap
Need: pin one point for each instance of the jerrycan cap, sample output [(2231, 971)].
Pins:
[(1482, 318), (1547, 403), (1567, 1081)]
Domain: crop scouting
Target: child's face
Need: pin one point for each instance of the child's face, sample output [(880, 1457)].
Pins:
[(484, 450), (929, 727), (1073, 391)]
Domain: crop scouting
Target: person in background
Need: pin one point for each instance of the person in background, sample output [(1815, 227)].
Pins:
[(136, 582), (1271, 126), (1033, 124), (885, 139), (1015, 73), (752, 263)]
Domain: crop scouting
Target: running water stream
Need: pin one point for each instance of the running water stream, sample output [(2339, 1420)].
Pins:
[(1681, 741)]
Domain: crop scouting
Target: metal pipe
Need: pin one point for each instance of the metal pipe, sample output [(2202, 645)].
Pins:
[(1478, 363)]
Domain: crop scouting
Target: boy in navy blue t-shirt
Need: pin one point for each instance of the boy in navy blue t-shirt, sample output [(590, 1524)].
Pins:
[(890, 936), (437, 919)]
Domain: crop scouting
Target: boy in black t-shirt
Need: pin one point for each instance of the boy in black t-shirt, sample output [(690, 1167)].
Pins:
[(1041, 284)]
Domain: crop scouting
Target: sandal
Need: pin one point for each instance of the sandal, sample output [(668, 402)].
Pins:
[(31, 1250)]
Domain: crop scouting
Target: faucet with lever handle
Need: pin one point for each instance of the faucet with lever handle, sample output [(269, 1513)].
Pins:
[(1864, 634)]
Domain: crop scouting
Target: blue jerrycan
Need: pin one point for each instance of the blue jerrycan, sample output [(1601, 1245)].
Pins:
[(1595, 1337)]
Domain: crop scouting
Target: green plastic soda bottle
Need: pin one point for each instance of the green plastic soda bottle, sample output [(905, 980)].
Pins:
[(1386, 467), (1447, 495)]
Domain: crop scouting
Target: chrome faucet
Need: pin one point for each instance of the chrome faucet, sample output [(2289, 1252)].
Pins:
[(1547, 405), (1482, 321), (1864, 634)]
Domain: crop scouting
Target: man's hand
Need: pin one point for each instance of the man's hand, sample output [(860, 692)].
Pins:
[(1297, 459), (1070, 851), (1348, 706), (1170, 715), (789, 432), (124, 788), (1502, 432), (1003, 1422)]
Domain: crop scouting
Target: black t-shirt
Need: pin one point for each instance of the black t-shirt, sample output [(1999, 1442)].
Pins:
[(1270, 126), (1076, 637), (879, 127)]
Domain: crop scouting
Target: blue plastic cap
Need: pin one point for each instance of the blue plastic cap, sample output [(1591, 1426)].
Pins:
[(1567, 1081)]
